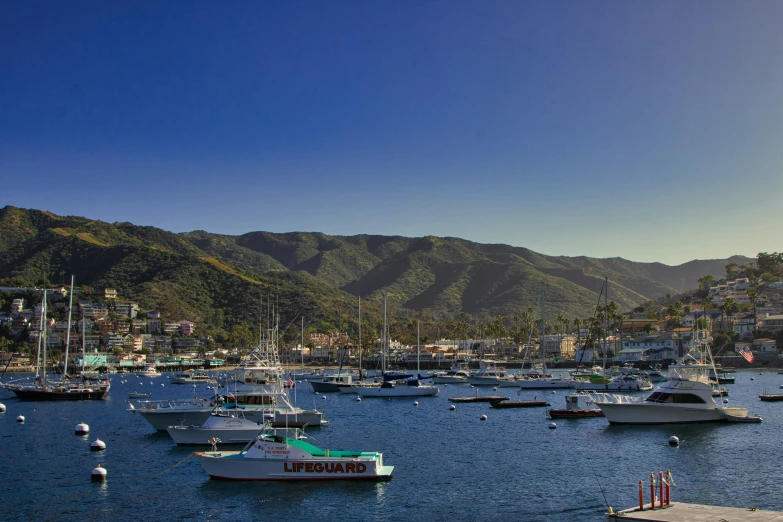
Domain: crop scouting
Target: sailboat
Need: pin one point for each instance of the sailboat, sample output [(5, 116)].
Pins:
[(411, 387), (544, 382), (46, 389), (604, 382)]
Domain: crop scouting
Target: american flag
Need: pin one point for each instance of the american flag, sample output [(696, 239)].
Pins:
[(290, 381), (747, 354)]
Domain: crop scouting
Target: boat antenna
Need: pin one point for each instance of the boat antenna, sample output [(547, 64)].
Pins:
[(68, 331)]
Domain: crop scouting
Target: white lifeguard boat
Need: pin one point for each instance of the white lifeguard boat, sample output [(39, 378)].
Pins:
[(273, 457)]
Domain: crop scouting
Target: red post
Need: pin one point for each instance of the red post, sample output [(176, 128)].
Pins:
[(667, 493), (641, 497), (652, 490), (660, 487)]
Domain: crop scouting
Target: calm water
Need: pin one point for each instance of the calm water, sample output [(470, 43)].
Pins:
[(449, 465)]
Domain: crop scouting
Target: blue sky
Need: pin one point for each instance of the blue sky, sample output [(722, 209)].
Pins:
[(646, 130)]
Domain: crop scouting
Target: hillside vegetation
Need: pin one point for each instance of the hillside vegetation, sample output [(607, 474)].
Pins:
[(190, 275)]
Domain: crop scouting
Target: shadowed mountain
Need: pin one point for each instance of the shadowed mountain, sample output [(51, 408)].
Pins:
[(199, 271)]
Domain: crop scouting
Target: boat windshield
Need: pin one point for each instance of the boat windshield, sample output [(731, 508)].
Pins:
[(689, 372), (676, 398)]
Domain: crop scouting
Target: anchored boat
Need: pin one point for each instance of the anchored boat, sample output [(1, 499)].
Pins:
[(273, 457)]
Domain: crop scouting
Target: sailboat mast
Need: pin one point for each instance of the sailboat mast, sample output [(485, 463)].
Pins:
[(543, 331), (385, 345), (360, 337), (606, 318), (40, 340), (44, 337), (418, 350), (302, 352), (84, 345), (68, 330)]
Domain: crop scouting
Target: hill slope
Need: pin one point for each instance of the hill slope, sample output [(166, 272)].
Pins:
[(196, 272)]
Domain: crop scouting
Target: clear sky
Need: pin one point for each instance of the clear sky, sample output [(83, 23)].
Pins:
[(651, 131)]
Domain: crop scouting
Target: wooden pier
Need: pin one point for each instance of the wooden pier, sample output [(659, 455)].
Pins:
[(680, 511)]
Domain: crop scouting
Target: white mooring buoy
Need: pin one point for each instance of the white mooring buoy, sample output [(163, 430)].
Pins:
[(162, 384), (358, 399), (483, 417), (552, 426), (81, 429), (98, 474), (2, 407), (495, 388), (452, 407), (553, 392), (415, 403), (20, 419), (97, 445), (323, 397), (674, 441)]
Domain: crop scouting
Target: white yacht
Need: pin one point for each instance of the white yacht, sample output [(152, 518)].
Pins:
[(149, 371), (456, 375), (489, 375), (192, 377), (685, 396)]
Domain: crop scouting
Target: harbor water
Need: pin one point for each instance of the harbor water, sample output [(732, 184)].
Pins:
[(448, 465)]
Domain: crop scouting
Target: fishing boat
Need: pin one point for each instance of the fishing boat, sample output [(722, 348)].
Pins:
[(686, 396), (149, 370), (139, 395), (255, 386), (271, 456), (192, 377), (456, 375), (490, 375), (573, 410), (223, 427)]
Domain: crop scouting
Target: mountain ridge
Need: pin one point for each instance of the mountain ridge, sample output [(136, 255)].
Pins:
[(441, 276)]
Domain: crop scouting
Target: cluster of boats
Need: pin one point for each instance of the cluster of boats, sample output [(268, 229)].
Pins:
[(255, 409)]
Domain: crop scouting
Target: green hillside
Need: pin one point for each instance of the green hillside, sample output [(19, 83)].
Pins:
[(192, 274)]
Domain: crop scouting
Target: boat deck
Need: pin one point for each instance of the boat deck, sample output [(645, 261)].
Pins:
[(678, 511)]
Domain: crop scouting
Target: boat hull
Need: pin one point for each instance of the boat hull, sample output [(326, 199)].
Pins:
[(450, 380), (162, 418), (641, 413), (398, 391), (31, 395), (326, 387), (545, 384), (574, 414), (232, 466)]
